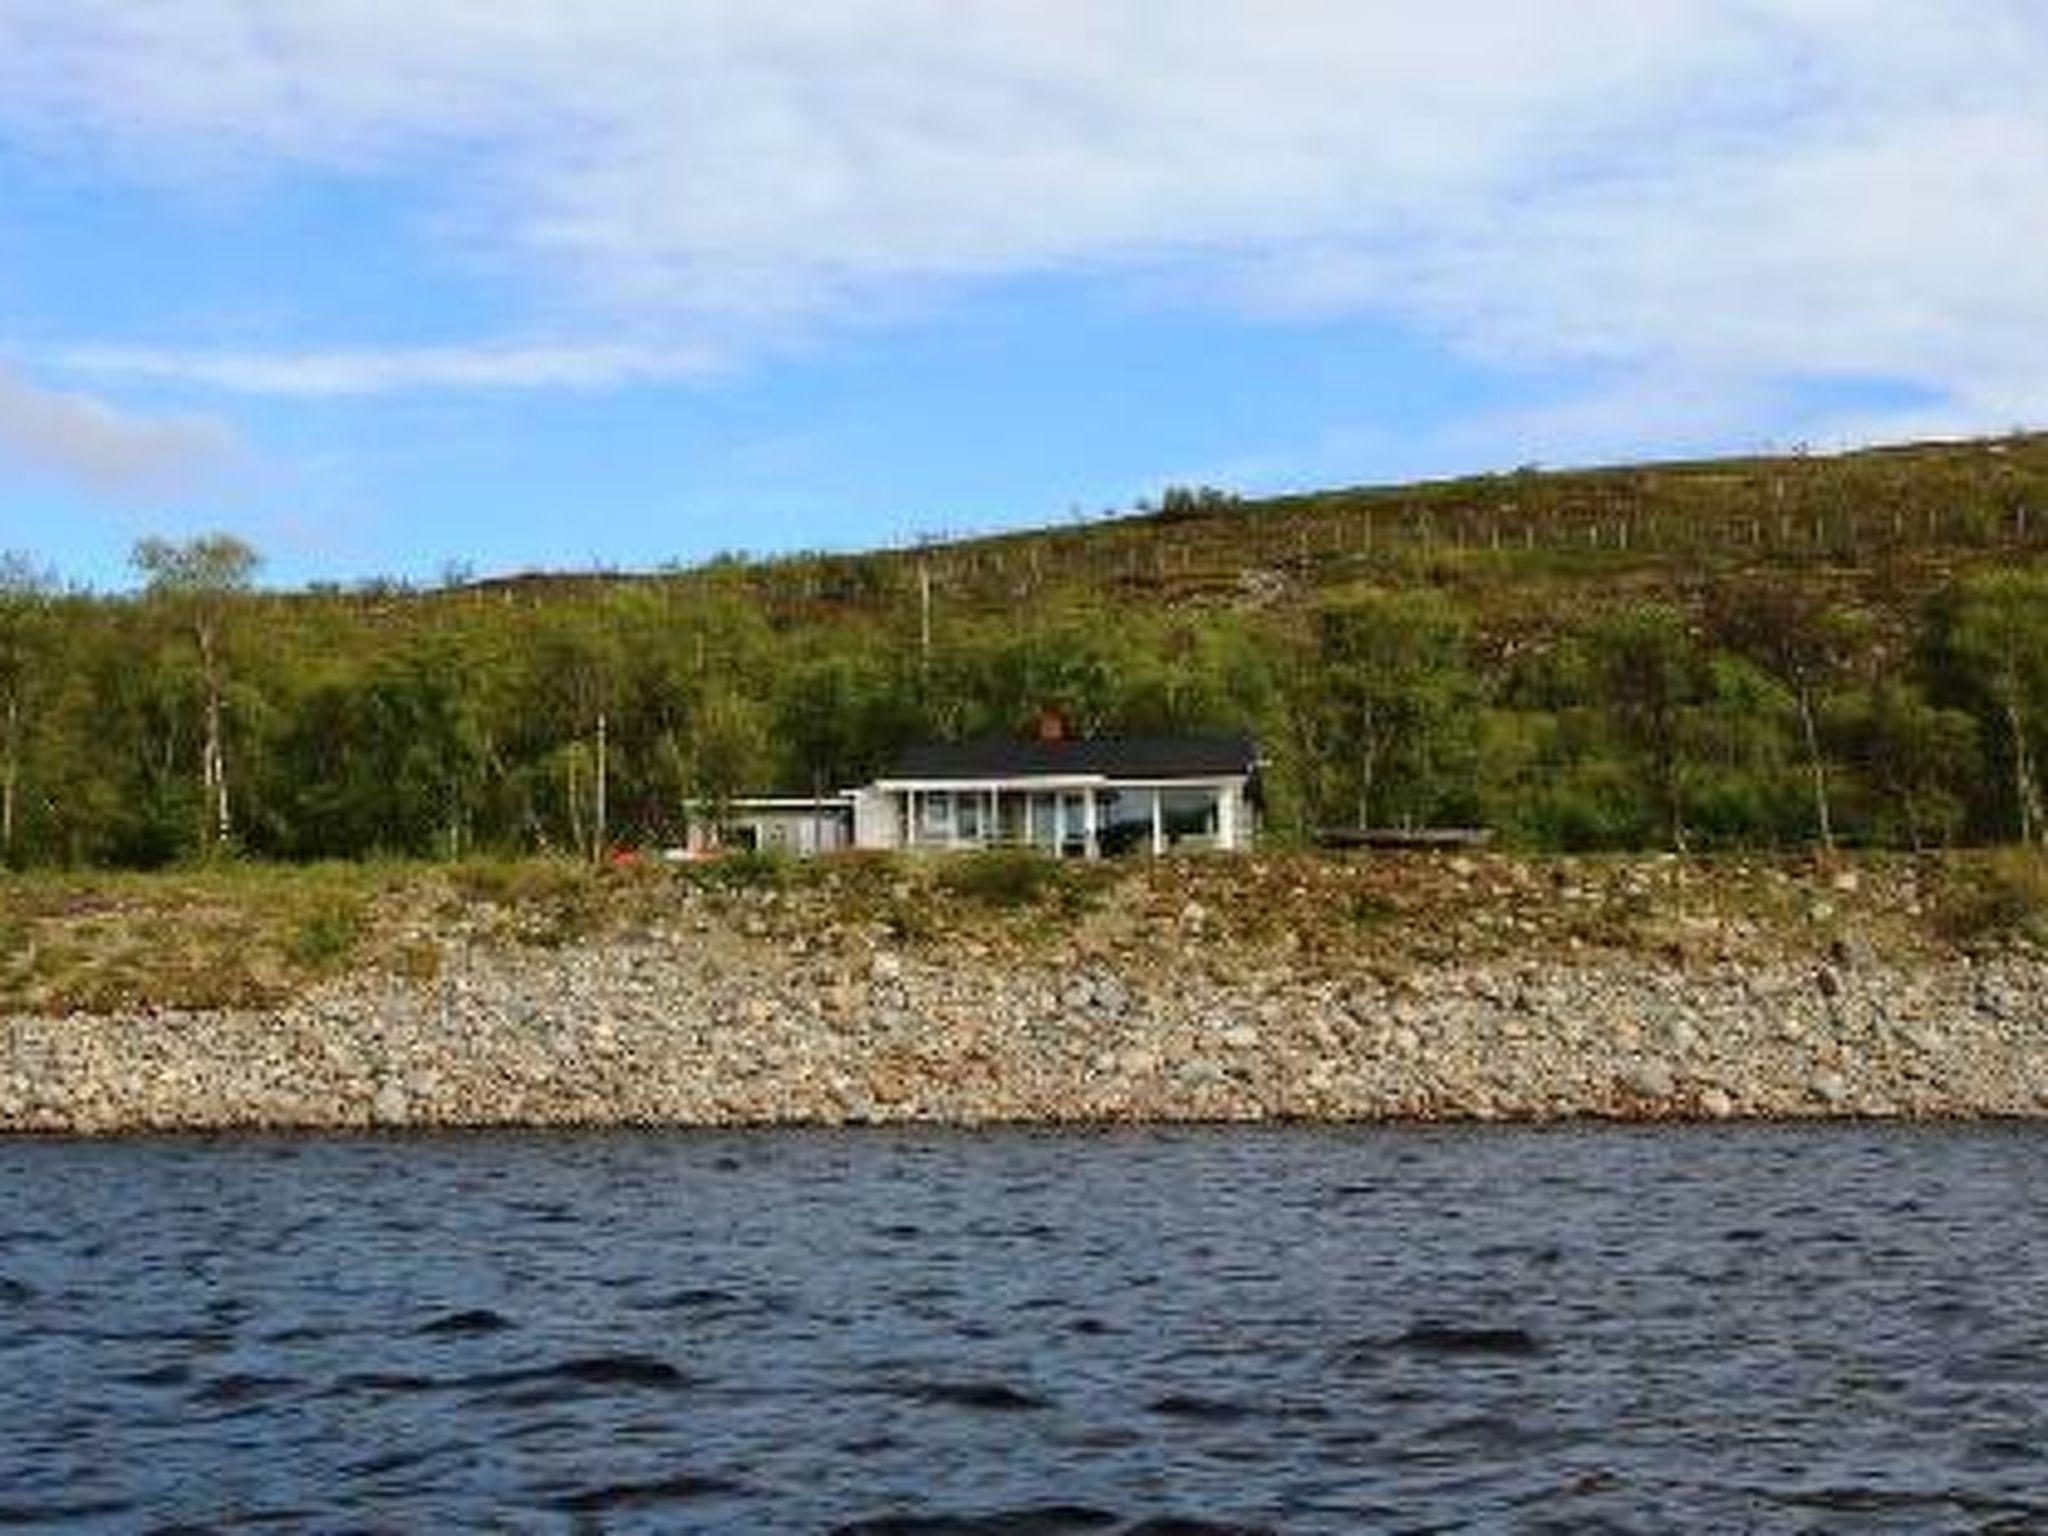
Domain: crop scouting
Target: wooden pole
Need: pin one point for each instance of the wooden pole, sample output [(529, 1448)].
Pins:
[(924, 615)]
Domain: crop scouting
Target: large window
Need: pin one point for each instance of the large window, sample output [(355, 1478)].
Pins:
[(1124, 821), (1191, 818), (1010, 817)]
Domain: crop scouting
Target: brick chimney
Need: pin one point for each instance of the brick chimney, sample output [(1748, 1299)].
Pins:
[(1051, 725)]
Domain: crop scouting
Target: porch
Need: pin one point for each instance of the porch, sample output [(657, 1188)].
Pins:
[(1070, 817)]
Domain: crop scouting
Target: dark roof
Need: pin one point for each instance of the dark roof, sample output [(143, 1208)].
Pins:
[(1117, 757)]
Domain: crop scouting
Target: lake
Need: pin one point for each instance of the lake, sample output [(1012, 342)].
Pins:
[(1581, 1329)]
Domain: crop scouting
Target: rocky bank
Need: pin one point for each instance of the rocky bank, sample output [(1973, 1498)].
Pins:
[(1160, 1005)]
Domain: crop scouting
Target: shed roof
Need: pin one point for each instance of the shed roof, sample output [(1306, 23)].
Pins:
[(1115, 757)]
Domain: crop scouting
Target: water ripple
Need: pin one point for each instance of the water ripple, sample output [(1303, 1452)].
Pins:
[(1141, 1333)]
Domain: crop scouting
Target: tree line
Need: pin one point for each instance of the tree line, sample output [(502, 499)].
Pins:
[(203, 716)]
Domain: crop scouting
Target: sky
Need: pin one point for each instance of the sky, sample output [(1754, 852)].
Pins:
[(412, 288)]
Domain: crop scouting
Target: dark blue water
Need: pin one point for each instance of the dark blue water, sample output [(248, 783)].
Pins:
[(1715, 1329)]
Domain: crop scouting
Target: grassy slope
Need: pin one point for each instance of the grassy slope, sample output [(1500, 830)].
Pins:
[(256, 935), (1888, 524)]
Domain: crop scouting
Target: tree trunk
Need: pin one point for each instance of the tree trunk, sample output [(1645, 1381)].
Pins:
[(575, 804), (2026, 783), (213, 771), (1368, 760), (1665, 734), (601, 838), (10, 778), (1817, 769)]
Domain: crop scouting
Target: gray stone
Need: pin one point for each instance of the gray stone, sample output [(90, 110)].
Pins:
[(390, 1106), (1650, 1080)]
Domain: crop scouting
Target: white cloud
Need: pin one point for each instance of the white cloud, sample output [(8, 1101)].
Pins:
[(373, 371), (93, 446), (1745, 191)]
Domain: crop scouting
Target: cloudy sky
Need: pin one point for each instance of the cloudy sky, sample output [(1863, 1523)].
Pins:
[(390, 285)]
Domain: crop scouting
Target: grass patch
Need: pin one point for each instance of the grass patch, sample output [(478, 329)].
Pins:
[(544, 902), (1001, 877), (328, 932), (1374, 909), (2001, 897), (1016, 878)]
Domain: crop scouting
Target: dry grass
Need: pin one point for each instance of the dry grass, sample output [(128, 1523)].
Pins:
[(253, 935)]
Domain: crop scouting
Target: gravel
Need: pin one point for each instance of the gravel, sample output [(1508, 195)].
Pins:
[(729, 1023)]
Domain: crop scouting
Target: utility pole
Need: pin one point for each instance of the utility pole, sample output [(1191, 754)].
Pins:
[(924, 611)]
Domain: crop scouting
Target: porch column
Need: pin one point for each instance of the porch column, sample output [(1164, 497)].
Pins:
[(1088, 844), (1158, 823), (1226, 816)]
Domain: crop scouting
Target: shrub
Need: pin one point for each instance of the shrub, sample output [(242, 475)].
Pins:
[(1003, 877), (745, 870)]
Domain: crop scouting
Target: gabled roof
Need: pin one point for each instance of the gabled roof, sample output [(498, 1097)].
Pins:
[(1115, 757)]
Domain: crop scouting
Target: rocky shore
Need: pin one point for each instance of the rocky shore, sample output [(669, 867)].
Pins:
[(1158, 1005)]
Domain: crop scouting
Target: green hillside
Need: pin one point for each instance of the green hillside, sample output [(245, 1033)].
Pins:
[(1742, 653)]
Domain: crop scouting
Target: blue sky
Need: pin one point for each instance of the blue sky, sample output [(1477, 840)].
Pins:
[(391, 287)]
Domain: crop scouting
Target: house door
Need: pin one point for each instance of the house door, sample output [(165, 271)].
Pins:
[(1074, 820), (1045, 822)]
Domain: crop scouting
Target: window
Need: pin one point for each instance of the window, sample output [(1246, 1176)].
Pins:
[(1190, 818), (1124, 821)]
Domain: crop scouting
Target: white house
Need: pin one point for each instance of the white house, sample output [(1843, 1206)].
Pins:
[(1075, 798)]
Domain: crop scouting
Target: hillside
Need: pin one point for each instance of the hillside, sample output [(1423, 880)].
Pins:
[(1769, 652), (1903, 518)]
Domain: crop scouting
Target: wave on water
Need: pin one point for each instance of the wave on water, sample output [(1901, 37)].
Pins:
[(1044, 1520), (682, 1487), (476, 1320)]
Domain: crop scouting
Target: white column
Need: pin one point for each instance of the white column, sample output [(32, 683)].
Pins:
[(1088, 846), (1226, 816), (1158, 824)]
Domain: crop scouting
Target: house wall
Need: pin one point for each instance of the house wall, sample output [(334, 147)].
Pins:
[(800, 830), (877, 819)]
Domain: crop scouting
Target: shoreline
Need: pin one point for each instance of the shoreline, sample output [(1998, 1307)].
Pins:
[(731, 1021)]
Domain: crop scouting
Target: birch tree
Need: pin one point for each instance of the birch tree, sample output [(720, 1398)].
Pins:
[(1400, 702), (199, 582), (1997, 636), (1803, 643), (24, 618)]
